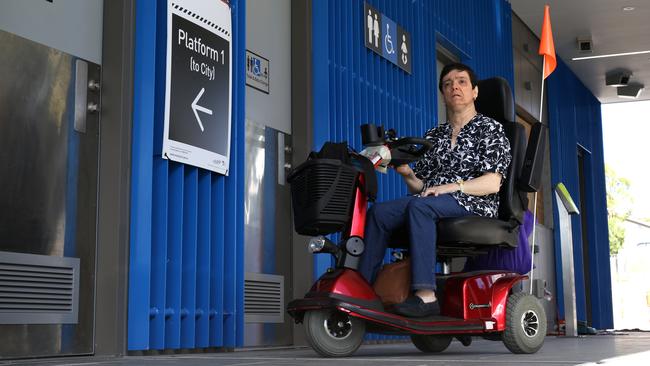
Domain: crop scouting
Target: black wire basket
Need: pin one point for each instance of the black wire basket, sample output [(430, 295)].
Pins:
[(322, 193)]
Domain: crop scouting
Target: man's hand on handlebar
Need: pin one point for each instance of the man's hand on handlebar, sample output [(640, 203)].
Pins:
[(404, 170), (413, 184)]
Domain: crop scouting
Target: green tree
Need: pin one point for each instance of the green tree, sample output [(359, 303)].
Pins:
[(619, 203)]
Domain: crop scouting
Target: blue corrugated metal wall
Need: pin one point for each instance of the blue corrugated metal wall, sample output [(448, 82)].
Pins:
[(186, 246), (186, 259), (353, 85), (575, 120)]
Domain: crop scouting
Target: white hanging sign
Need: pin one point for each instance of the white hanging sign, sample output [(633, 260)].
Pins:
[(198, 97)]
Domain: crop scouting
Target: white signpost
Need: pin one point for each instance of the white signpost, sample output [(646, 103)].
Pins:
[(198, 93)]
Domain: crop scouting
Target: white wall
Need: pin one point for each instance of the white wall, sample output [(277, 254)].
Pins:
[(71, 26), (630, 285), (268, 34)]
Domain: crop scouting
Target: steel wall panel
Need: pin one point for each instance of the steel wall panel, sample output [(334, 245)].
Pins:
[(353, 85), (186, 265)]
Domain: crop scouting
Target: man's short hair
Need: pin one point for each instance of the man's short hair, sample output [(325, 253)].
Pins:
[(459, 67)]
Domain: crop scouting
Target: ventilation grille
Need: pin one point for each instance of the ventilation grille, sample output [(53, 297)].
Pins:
[(37, 289), (263, 298)]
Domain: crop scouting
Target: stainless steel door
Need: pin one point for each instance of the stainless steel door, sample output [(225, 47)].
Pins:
[(267, 234), (49, 128)]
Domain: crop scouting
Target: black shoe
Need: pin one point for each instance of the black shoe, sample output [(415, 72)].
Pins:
[(414, 307)]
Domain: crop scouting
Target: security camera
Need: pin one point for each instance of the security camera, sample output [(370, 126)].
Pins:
[(585, 45), (631, 91), (618, 79)]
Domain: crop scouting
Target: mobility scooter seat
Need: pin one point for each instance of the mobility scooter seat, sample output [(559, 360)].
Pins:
[(470, 235), (476, 230)]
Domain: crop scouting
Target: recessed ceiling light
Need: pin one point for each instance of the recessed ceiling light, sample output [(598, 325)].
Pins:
[(611, 55), (628, 8)]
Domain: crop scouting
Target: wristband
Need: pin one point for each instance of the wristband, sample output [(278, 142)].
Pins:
[(424, 188)]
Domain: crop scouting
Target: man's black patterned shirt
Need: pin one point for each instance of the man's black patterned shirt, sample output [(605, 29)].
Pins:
[(481, 147)]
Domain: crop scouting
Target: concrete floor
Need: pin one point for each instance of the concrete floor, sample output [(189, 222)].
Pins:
[(609, 349)]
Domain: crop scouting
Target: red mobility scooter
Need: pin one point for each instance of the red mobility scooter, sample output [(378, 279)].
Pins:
[(330, 195)]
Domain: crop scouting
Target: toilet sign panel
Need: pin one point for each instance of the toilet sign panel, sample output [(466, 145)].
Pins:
[(372, 29), (387, 38), (389, 28), (257, 72), (404, 52), (198, 85)]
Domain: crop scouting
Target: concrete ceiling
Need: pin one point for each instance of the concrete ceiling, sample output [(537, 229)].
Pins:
[(611, 29)]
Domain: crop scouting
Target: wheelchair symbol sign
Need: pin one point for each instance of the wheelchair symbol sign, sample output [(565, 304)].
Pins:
[(390, 41), (256, 67), (387, 38)]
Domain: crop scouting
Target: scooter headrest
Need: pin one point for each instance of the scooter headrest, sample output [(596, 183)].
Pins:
[(495, 99)]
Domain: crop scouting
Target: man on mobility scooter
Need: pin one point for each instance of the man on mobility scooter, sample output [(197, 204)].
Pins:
[(459, 176), (330, 193)]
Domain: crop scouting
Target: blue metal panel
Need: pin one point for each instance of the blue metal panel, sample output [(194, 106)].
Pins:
[(599, 265), (230, 263), (160, 201), (236, 178), (574, 118), (217, 238), (141, 175), (159, 255), (353, 85), (174, 256), (320, 59), (188, 275), (203, 256), (186, 278)]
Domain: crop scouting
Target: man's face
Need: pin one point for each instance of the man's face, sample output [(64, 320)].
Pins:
[(457, 90)]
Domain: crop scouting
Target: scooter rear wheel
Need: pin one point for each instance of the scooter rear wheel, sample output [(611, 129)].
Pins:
[(332, 333), (431, 343), (525, 324)]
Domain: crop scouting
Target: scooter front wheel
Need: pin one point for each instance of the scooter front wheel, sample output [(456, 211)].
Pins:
[(332, 333), (525, 324)]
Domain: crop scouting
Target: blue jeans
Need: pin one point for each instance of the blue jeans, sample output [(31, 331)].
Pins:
[(419, 216)]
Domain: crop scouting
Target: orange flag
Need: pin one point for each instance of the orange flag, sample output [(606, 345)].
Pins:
[(546, 46)]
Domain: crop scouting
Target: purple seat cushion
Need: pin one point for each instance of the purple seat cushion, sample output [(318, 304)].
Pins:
[(506, 259)]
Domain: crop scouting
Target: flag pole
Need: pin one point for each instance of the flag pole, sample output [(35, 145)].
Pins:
[(532, 248)]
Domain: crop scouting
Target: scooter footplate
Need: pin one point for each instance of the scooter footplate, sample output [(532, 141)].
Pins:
[(379, 321)]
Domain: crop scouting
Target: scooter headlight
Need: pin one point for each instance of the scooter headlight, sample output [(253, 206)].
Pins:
[(316, 244)]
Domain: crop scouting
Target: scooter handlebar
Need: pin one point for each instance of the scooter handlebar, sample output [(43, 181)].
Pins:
[(405, 150)]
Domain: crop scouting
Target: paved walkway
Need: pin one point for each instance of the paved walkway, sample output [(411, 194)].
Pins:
[(616, 349)]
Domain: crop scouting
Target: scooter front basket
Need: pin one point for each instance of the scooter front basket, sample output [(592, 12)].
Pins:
[(322, 193)]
